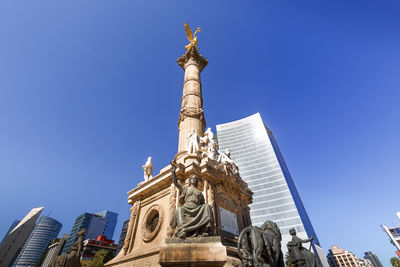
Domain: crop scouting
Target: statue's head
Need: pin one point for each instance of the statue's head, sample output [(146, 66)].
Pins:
[(193, 180), (292, 231), (208, 129), (149, 159)]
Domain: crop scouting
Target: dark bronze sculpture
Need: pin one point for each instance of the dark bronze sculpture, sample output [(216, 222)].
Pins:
[(73, 258), (194, 216), (300, 256), (261, 247)]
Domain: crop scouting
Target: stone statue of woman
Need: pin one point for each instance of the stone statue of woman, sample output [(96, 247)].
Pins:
[(194, 216)]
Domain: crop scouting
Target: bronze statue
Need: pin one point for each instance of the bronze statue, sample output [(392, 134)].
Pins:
[(73, 258), (261, 247), (193, 217), (300, 256), (191, 37)]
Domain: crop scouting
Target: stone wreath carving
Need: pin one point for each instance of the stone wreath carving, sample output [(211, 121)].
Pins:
[(152, 221)]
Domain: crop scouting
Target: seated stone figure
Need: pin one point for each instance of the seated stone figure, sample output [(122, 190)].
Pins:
[(194, 216), (298, 254)]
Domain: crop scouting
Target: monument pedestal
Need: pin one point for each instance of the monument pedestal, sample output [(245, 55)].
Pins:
[(196, 252)]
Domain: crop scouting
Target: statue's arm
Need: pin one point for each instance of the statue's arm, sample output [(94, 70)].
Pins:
[(307, 240), (174, 179)]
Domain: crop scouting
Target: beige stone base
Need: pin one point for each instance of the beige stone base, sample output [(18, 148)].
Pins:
[(196, 252)]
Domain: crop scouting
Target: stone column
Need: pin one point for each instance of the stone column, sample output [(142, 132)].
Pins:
[(191, 116)]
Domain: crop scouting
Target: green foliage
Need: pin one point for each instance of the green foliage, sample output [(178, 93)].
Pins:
[(98, 259), (288, 261), (395, 262)]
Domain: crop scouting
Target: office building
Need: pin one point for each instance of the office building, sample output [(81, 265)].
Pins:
[(373, 258), (339, 257), (81, 222), (394, 234), (95, 224), (365, 263), (54, 250), (44, 232), (15, 240), (111, 218), (123, 235), (15, 223), (91, 246), (261, 165)]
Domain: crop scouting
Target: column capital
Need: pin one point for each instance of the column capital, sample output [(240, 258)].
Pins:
[(193, 54)]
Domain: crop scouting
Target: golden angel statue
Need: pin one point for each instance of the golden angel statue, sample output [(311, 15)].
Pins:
[(191, 37)]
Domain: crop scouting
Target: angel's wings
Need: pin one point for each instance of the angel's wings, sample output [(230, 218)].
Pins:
[(188, 32)]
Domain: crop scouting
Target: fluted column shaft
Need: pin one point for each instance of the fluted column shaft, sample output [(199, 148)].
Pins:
[(191, 115)]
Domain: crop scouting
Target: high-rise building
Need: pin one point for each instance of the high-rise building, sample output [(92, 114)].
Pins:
[(394, 234), (44, 232), (95, 224), (15, 223), (54, 250), (15, 240), (365, 263), (81, 222), (261, 165), (373, 258), (112, 218), (339, 257), (123, 235)]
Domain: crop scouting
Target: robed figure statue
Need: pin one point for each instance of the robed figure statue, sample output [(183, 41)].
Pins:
[(193, 217)]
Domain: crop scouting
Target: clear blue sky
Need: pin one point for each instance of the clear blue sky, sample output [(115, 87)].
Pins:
[(90, 89)]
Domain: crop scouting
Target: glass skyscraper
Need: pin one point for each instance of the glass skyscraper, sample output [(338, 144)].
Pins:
[(261, 165), (102, 223), (111, 218), (44, 232)]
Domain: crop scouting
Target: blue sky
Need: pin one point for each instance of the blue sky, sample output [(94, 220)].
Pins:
[(90, 89)]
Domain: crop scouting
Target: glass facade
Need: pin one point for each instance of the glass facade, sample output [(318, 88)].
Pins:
[(45, 231), (110, 224), (81, 222), (261, 165), (102, 223)]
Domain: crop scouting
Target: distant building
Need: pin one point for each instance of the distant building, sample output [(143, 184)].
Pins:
[(15, 240), (95, 224), (44, 232), (373, 258), (339, 257), (123, 235), (261, 165), (365, 263), (112, 218), (91, 246), (54, 250), (81, 222), (394, 234), (15, 223)]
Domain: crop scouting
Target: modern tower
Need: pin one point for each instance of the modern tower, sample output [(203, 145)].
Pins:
[(394, 234), (373, 258), (262, 166), (44, 232), (111, 218), (15, 240), (123, 235), (102, 223), (15, 223), (54, 250)]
